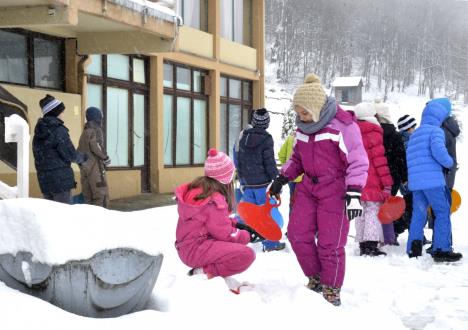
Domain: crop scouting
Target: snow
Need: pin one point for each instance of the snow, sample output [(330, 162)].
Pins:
[(392, 292), (346, 81), (150, 8)]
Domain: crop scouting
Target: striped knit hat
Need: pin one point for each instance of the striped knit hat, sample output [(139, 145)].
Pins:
[(406, 122), (261, 118), (219, 166), (50, 106)]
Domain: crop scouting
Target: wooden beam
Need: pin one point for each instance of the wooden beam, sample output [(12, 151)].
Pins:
[(40, 15)]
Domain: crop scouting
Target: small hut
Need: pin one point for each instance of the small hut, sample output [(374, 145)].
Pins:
[(348, 90)]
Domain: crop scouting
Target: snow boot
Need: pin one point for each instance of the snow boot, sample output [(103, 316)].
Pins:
[(199, 271), (416, 248), (446, 256), (370, 249), (332, 295), (363, 248), (314, 283), (276, 247)]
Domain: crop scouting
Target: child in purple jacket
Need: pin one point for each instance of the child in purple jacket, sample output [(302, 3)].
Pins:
[(207, 239), (329, 152)]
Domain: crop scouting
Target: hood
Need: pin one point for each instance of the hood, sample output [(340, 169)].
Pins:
[(434, 114), (443, 101), (367, 127), (46, 126), (451, 124), (189, 207), (254, 137)]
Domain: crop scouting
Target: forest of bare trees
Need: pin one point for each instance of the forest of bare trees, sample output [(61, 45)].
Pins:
[(396, 42)]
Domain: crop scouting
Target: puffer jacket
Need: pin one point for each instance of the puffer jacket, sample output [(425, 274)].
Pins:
[(395, 153), (255, 158), (53, 154), (203, 223), (427, 154), (379, 175), (452, 131)]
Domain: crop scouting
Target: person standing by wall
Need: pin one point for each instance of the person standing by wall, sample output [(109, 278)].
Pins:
[(93, 174), (54, 152)]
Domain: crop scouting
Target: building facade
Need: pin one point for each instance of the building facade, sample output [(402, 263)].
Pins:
[(171, 86)]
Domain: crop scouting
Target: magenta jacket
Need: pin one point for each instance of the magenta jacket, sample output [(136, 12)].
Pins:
[(334, 152), (201, 225)]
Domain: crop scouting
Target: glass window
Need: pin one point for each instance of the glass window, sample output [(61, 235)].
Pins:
[(193, 13), (236, 20), (227, 19), (222, 127), (13, 58), (168, 77), (95, 67), (183, 131), (238, 24), (168, 130), (234, 89), (47, 63), (118, 66), (117, 126), (183, 78), (197, 81), (234, 125), (246, 94), (245, 117), (139, 70), (94, 96), (223, 88), (200, 131), (138, 130)]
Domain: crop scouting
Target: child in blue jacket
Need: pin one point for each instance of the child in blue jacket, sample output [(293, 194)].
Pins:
[(427, 157)]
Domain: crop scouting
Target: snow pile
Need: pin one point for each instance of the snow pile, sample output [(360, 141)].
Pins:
[(56, 233), (149, 8)]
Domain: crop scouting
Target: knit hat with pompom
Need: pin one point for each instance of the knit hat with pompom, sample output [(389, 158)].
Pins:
[(219, 166), (311, 96)]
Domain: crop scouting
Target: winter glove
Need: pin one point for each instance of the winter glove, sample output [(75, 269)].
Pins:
[(254, 236), (353, 204), (107, 161), (277, 185), (404, 188)]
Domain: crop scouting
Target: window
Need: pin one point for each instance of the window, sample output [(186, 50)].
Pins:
[(236, 21), (194, 13), (31, 59), (236, 103), (345, 95), (185, 116), (117, 84)]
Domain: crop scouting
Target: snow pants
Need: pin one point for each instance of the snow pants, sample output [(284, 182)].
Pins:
[(318, 229), (368, 226), (438, 198)]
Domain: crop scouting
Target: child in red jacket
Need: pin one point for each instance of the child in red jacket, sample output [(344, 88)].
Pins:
[(207, 239)]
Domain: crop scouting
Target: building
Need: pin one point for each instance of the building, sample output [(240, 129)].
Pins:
[(169, 91), (348, 90)]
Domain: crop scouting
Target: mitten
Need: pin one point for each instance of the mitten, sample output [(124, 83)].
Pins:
[(107, 161), (353, 204), (254, 236), (277, 185)]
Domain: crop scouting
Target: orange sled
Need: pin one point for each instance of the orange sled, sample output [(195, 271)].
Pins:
[(259, 218), (392, 209)]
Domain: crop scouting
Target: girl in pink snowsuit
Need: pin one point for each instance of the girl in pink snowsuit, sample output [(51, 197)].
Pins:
[(206, 237), (329, 152)]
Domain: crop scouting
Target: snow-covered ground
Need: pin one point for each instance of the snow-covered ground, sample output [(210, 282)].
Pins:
[(392, 292)]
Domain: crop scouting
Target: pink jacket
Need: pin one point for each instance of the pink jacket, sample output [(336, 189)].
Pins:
[(203, 223)]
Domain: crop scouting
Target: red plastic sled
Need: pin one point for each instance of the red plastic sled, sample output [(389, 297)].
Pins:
[(392, 209), (259, 218)]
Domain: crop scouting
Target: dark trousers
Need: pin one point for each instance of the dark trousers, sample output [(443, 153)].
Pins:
[(61, 197)]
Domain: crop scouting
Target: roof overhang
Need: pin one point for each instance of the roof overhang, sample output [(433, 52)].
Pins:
[(100, 26)]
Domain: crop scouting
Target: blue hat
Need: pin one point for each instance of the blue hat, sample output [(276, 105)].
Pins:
[(93, 114)]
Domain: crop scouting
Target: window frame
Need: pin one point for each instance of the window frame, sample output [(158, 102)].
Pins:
[(244, 104), (192, 95), (132, 88), (203, 9), (30, 36)]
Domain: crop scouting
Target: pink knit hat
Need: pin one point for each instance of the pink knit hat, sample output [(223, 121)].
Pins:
[(219, 166)]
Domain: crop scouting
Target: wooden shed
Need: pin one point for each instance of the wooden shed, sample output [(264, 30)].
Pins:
[(347, 90)]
